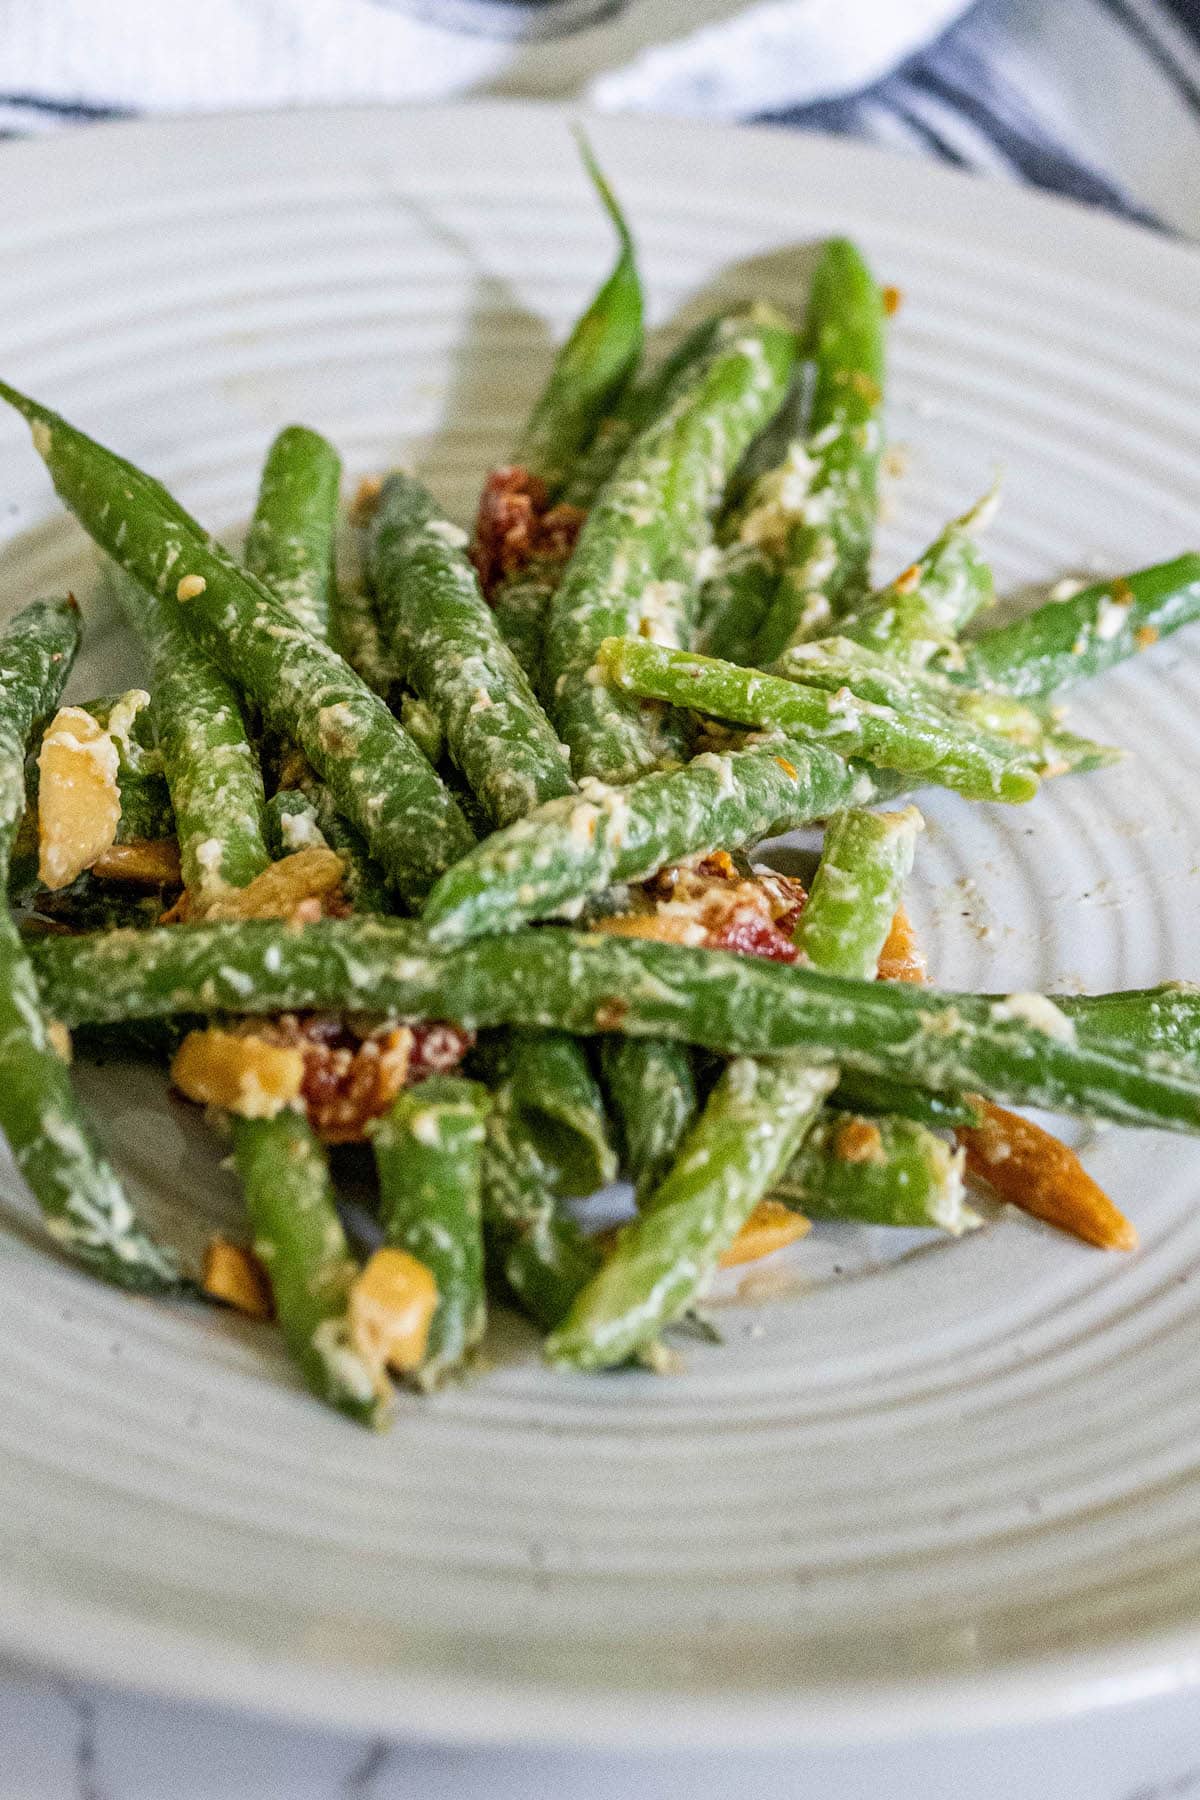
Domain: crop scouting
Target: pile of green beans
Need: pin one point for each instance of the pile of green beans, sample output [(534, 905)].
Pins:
[(540, 766)]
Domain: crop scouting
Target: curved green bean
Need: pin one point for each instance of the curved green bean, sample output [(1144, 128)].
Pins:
[(596, 361), (906, 734)]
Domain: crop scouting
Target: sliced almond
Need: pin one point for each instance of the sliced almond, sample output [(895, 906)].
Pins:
[(243, 1074), (146, 862), (234, 1275), (391, 1308), (901, 958), (79, 797), (770, 1227), (312, 874), (1033, 1170)]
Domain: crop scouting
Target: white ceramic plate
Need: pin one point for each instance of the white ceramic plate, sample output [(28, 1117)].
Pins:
[(957, 1487)]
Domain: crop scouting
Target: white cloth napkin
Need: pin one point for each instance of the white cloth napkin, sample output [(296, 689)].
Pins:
[(717, 57)]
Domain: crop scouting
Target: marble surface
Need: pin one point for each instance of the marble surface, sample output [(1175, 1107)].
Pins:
[(63, 1741)]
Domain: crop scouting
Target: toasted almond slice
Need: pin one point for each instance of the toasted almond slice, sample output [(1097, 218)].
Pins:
[(241, 1073), (149, 862), (234, 1275), (79, 797), (901, 958), (662, 927), (312, 874), (770, 1227), (391, 1308), (1027, 1167)]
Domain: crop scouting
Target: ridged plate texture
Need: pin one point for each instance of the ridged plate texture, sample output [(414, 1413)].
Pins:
[(908, 1491)]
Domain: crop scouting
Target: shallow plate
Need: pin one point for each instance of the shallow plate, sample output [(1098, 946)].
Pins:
[(957, 1486)]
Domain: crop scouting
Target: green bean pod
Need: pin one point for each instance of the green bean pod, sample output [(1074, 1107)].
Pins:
[(299, 1240), (355, 632), (829, 545), (542, 1254), (211, 767), (878, 1172), (553, 1094), (596, 361), (651, 1086), (549, 863), (921, 612), (881, 1097), (82, 1202), (635, 567), (1019, 1049), (377, 776), (748, 1133), (429, 1151), (1066, 641), (635, 407), (290, 544), (449, 648), (908, 735), (865, 860)]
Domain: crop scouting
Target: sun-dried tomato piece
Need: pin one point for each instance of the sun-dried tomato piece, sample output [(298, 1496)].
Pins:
[(516, 526)]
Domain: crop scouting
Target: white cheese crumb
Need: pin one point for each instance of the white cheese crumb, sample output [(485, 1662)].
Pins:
[(1038, 1011)]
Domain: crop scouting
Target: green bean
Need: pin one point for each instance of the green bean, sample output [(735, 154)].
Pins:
[(377, 776), (1019, 1049), (837, 665), (299, 1240), (354, 631), (211, 767), (878, 1172), (548, 863), (423, 726), (922, 612), (636, 406), (428, 1150), (865, 860), (594, 364), (1155, 1020), (734, 602), (634, 569), (879, 1097), (829, 545), (907, 735), (544, 1257), (554, 1096), (449, 648), (752, 1126), (651, 1087), (1066, 641), (290, 544), (82, 1202), (521, 601)]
